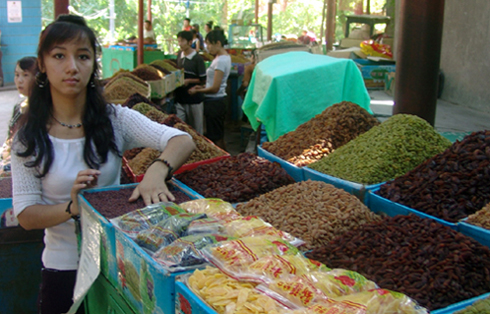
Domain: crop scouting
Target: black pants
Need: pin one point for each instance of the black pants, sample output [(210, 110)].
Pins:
[(56, 291), (215, 113)]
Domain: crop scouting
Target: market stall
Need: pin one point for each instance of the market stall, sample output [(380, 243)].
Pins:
[(243, 247), (125, 57)]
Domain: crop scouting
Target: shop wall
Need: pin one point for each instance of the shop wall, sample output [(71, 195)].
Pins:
[(19, 39), (465, 60)]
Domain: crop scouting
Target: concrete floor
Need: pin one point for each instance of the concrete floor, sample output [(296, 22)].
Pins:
[(449, 117)]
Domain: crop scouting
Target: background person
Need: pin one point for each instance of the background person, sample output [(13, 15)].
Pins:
[(195, 41), (247, 75), (208, 27), (71, 139), (148, 33), (24, 78), (187, 24), (199, 35), (215, 90), (190, 108), (304, 38)]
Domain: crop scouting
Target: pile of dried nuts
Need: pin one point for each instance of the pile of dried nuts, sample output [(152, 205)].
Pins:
[(451, 185), (481, 218), (204, 149), (313, 211), (429, 262), (236, 179), (321, 135)]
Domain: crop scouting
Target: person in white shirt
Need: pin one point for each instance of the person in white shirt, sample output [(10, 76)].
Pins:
[(215, 103), (148, 33), (72, 140)]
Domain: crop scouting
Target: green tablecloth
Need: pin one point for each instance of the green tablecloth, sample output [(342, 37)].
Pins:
[(288, 89)]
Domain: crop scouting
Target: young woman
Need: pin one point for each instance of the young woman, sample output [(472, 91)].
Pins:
[(215, 89), (208, 27), (71, 140), (195, 44), (24, 77), (190, 108)]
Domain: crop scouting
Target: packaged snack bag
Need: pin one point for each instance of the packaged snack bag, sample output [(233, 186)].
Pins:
[(272, 267), (254, 226), (232, 257), (381, 301), (141, 219), (227, 295), (212, 207), (293, 291), (183, 253), (206, 225), (166, 231), (338, 282)]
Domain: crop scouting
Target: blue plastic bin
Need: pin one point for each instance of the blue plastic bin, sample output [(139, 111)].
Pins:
[(353, 188), (144, 284), (480, 234), (377, 203), (108, 239), (295, 172), (186, 302), (460, 305)]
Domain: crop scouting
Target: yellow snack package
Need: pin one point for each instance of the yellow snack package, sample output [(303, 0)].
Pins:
[(293, 291), (271, 267), (381, 301), (229, 296), (212, 207), (338, 282), (335, 307), (233, 257), (254, 226)]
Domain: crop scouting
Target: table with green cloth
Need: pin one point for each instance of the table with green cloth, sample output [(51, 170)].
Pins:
[(287, 90)]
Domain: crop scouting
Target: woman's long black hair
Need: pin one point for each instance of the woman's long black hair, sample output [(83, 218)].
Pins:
[(217, 35), (99, 132)]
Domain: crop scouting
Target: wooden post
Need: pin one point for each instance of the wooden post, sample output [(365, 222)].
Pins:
[(368, 7), (141, 51), (148, 11), (269, 20), (419, 54), (330, 24), (60, 7)]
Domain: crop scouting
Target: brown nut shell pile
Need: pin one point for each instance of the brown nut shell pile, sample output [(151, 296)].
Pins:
[(324, 133), (313, 211)]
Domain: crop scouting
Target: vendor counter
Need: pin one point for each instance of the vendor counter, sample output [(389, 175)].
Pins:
[(289, 89), (116, 57)]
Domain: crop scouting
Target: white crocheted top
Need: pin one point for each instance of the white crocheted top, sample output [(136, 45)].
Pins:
[(131, 129)]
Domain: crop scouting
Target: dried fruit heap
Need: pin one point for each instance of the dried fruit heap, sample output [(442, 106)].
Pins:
[(236, 179), (451, 185), (427, 261), (327, 131), (385, 152)]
